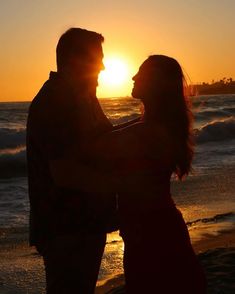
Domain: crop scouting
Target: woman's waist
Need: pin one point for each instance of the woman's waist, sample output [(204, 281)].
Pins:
[(143, 204), (147, 215), (145, 165)]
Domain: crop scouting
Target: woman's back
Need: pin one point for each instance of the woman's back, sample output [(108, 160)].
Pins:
[(142, 157), (146, 185), (157, 244)]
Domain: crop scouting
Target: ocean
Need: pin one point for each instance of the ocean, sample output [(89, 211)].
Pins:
[(206, 198)]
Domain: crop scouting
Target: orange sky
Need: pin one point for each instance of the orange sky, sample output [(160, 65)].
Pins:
[(199, 34)]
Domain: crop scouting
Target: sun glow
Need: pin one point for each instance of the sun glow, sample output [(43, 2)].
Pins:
[(114, 80), (115, 72)]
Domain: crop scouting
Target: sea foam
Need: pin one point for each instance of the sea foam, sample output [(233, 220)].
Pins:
[(217, 130)]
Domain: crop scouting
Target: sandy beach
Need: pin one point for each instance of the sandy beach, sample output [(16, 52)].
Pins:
[(21, 268)]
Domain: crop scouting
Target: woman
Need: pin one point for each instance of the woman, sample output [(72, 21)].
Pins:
[(158, 255)]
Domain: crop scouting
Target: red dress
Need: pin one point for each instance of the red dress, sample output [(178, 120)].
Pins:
[(158, 255)]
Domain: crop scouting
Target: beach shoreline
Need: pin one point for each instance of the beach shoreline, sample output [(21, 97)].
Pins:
[(21, 267)]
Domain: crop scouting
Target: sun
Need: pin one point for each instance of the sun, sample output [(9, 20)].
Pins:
[(115, 73), (116, 79)]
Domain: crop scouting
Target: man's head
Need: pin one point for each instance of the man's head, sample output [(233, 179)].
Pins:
[(79, 53)]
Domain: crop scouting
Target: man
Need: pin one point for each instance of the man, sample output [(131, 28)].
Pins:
[(63, 114)]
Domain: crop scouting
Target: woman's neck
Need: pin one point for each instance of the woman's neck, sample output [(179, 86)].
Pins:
[(150, 113)]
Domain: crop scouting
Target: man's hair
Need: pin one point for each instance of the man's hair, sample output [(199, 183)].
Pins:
[(76, 42)]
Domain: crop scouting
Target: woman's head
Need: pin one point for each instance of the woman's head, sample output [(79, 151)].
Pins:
[(158, 75), (159, 83)]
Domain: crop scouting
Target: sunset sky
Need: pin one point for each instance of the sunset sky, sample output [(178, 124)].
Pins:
[(199, 34)]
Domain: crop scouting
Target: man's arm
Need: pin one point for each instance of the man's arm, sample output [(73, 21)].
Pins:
[(127, 124), (66, 170), (71, 174)]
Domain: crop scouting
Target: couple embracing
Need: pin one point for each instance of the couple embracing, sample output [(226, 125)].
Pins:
[(88, 178)]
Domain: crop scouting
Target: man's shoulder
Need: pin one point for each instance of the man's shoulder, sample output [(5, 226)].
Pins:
[(52, 94)]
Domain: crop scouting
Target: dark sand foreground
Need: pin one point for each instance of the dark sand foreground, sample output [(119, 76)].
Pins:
[(21, 269)]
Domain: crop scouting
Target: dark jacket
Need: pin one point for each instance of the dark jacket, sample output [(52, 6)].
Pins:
[(59, 118)]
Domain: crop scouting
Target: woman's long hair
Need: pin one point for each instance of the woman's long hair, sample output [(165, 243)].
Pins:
[(170, 106)]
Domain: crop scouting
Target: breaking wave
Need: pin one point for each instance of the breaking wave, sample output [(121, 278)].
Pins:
[(218, 130), (11, 138)]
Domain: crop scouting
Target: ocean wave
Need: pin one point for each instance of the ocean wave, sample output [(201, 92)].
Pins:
[(214, 114), (218, 130), (229, 109), (214, 100), (11, 138), (13, 162)]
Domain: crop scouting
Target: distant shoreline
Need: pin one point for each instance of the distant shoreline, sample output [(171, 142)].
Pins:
[(195, 90), (219, 92), (222, 87)]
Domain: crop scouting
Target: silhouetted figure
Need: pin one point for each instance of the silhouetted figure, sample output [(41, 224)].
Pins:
[(158, 255), (64, 226)]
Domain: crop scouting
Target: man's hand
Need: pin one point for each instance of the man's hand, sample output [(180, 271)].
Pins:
[(127, 124)]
